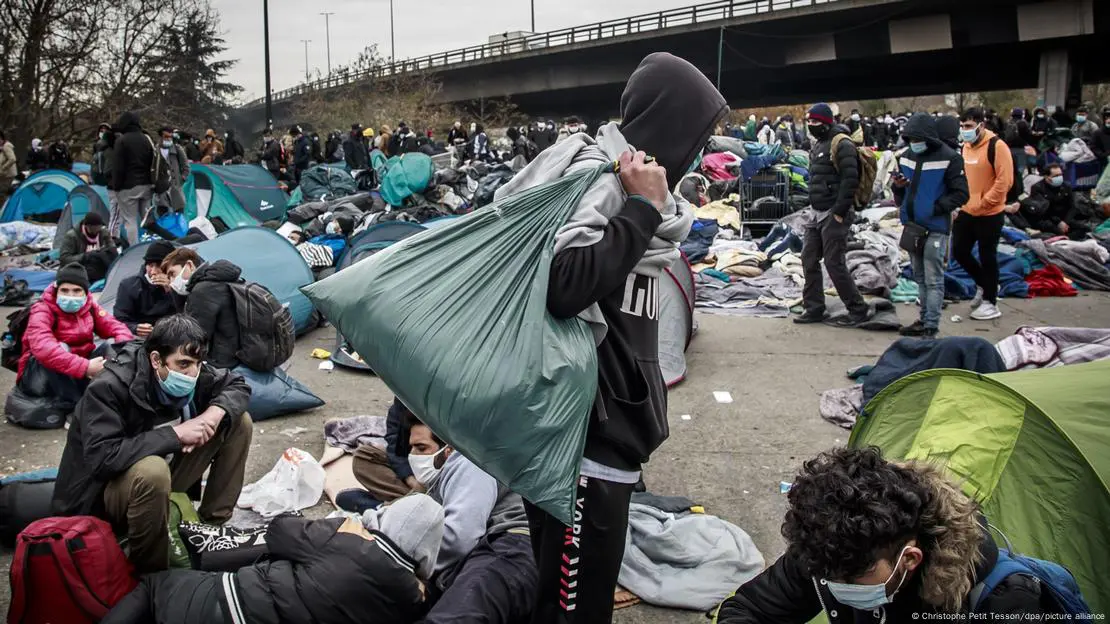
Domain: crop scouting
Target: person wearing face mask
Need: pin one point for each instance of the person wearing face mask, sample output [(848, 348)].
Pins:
[(834, 178), (37, 157), (456, 134), (152, 423), (1100, 142), (918, 547), (1041, 125), (376, 570), (486, 570), (204, 285), (929, 186), (989, 165), (178, 164), (1084, 128), (89, 244), (146, 298), (336, 233), (1051, 209), (59, 353)]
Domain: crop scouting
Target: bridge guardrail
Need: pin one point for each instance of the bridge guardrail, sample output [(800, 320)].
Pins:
[(659, 20)]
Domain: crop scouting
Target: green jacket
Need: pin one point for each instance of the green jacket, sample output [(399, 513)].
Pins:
[(74, 246)]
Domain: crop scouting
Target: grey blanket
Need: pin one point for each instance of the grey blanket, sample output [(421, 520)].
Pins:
[(842, 406), (350, 433), (686, 560), (1082, 267)]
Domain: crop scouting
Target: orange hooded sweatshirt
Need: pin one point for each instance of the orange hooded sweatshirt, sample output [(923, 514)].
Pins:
[(988, 185)]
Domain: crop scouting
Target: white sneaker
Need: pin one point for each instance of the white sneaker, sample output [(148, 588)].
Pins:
[(977, 300), (987, 311)]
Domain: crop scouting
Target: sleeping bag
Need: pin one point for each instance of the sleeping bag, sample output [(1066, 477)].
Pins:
[(276, 393)]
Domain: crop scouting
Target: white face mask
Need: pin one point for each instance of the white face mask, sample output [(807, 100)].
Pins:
[(424, 467), (867, 597), (180, 284), (332, 228)]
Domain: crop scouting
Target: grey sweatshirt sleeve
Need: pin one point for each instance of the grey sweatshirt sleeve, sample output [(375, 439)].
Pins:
[(468, 495)]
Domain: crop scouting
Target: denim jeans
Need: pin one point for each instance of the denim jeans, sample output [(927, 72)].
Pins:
[(928, 272)]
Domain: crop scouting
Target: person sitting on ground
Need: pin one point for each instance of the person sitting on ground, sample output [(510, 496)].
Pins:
[(386, 473), (330, 571), (208, 300), (59, 355), (485, 565), (156, 401), (929, 186), (917, 545), (1084, 127), (144, 299), (1051, 208), (89, 244)]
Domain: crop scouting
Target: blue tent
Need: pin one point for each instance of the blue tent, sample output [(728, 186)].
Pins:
[(82, 200), (264, 256), (81, 168), (41, 197)]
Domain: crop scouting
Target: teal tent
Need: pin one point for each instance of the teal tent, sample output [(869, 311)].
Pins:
[(41, 197), (82, 200), (264, 256), (405, 176), (233, 196)]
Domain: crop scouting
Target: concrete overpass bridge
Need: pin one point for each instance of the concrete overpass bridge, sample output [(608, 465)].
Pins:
[(765, 52)]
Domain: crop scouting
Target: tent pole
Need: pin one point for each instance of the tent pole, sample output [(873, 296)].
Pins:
[(720, 54)]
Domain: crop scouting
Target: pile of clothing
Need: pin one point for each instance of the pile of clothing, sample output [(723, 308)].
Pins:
[(1083, 262)]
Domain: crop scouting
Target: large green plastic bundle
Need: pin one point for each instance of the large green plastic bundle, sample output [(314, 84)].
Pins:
[(406, 175), (455, 322)]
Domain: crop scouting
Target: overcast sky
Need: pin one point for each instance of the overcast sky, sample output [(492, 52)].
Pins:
[(422, 27)]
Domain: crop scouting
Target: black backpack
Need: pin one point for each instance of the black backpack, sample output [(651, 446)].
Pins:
[(1018, 186), (12, 345), (23, 502), (266, 331)]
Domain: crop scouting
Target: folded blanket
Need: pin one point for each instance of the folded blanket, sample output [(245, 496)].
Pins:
[(1046, 347)]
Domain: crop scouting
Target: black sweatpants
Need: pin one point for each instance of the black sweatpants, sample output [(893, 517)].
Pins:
[(579, 564), (173, 597), (966, 232), (495, 585), (828, 241)]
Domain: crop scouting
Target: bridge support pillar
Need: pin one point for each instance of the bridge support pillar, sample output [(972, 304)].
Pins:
[(1060, 85)]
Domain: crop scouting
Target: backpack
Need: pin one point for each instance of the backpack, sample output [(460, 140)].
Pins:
[(868, 169), (23, 502), (265, 327), (159, 170), (531, 150), (68, 570), (11, 349), (1053, 576), (1018, 185)]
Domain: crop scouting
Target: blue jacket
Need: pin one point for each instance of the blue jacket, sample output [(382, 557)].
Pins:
[(938, 185)]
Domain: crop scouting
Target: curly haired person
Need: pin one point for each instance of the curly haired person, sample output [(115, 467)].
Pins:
[(870, 540)]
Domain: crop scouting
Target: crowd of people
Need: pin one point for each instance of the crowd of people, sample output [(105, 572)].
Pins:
[(157, 404)]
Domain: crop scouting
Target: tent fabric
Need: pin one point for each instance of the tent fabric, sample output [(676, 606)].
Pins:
[(43, 194), (38, 280), (327, 182), (676, 319), (264, 256), (237, 195), (82, 200), (406, 175), (1032, 447)]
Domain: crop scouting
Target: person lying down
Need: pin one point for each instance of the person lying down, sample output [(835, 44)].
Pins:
[(331, 571)]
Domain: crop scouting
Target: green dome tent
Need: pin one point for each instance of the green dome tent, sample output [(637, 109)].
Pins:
[(1032, 447), (233, 196)]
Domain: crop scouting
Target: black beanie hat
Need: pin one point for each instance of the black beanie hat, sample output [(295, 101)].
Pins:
[(346, 224), (157, 251), (93, 218), (73, 273)]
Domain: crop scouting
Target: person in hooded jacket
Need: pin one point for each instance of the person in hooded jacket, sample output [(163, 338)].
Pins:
[(1051, 208), (233, 151), (948, 131), (929, 186), (208, 300), (90, 244), (784, 132), (59, 156), (916, 550), (131, 176), (153, 422), (354, 149), (479, 145), (833, 180), (608, 260), (59, 353), (37, 157), (1041, 126), (146, 298), (1084, 128), (329, 571), (302, 155), (273, 158), (100, 170)]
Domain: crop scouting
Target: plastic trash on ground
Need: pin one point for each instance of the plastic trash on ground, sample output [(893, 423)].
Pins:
[(295, 482)]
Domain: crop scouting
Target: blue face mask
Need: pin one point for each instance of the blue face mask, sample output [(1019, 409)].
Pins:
[(177, 384), (1081, 118), (968, 136), (70, 304), (866, 597), (918, 148), (1056, 180)]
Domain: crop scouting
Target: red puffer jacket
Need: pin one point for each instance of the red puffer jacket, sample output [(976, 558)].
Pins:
[(48, 329)]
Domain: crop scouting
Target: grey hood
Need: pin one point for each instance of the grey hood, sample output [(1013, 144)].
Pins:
[(602, 201), (415, 524)]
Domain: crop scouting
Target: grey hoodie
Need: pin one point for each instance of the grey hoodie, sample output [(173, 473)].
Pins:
[(415, 524)]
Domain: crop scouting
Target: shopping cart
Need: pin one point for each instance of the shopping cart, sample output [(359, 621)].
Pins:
[(765, 198)]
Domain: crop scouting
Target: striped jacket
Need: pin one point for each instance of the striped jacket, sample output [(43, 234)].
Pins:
[(937, 187)]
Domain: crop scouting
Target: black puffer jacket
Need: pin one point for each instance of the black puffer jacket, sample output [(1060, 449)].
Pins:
[(115, 425), (212, 304), (134, 155), (833, 187)]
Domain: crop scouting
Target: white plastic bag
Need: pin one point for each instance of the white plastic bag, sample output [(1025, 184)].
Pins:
[(295, 482)]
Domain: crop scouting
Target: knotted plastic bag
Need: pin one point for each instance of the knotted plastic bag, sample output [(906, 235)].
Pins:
[(295, 482), (455, 322)]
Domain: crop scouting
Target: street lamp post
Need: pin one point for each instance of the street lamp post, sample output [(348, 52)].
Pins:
[(533, 15), (327, 33), (266, 37), (392, 43), (306, 42)]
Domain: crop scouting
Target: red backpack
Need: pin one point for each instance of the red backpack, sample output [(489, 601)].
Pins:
[(68, 570)]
